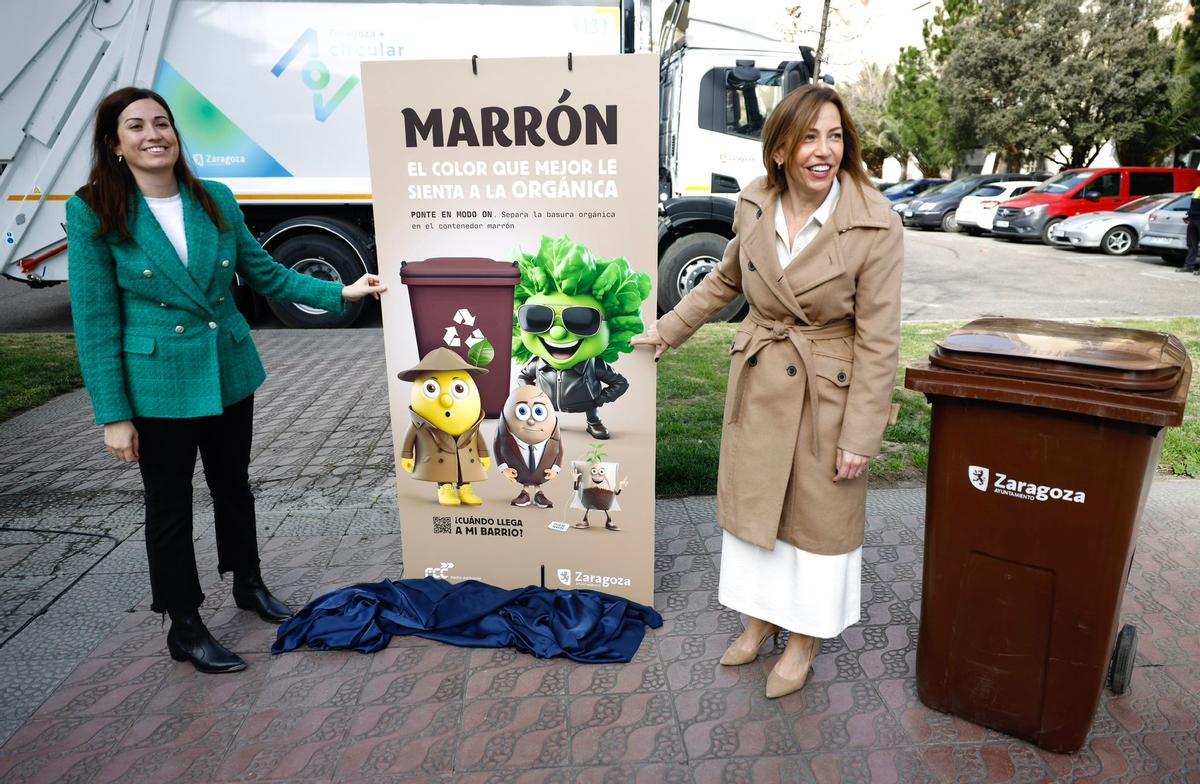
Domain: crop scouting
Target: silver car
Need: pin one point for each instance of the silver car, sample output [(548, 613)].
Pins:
[(1116, 232), (1166, 231)]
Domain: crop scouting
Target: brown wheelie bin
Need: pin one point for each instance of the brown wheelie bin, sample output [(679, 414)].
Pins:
[(1045, 438), (466, 305)]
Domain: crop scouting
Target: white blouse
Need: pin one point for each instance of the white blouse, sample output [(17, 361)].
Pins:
[(169, 214)]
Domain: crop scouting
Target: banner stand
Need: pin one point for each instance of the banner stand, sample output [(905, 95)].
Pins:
[(515, 214)]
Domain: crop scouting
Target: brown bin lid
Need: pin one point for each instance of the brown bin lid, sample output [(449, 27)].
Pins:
[(1077, 354), (1122, 374), (444, 270)]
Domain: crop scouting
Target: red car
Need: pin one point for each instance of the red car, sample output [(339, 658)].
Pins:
[(1076, 191)]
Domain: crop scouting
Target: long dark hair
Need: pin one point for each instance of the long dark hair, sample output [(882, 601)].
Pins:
[(110, 183)]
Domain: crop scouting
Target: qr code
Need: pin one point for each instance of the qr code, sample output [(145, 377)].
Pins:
[(441, 525)]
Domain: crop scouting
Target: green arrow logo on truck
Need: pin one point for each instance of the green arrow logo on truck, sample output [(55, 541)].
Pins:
[(315, 74)]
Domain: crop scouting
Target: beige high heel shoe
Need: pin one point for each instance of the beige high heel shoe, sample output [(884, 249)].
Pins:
[(734, 656), (778, 686)]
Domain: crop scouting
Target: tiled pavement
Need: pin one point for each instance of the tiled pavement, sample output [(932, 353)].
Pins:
[(87, 692)]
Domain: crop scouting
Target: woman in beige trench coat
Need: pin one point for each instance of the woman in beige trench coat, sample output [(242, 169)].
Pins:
[(818, 254)]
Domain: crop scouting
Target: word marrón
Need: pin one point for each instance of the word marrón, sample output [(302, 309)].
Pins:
[(521, 126)]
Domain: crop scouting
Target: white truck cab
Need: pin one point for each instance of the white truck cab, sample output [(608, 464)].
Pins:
[(723, 69)]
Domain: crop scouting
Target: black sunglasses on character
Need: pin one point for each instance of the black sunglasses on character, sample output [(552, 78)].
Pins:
[(582, 320)]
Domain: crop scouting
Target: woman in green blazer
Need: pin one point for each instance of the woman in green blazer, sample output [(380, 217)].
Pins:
[(167, 358)]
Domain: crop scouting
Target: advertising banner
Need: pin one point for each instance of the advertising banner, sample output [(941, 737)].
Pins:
[(515, 219)]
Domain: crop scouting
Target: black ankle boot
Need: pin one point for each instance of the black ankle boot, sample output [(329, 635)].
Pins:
[(249, 593), (190, 640)]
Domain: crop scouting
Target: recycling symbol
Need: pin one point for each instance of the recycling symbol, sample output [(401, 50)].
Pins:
[(462, 317)]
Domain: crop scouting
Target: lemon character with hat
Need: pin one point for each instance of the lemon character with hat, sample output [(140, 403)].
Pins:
[(444, 444)]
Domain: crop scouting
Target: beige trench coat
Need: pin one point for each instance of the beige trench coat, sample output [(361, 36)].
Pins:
[(442, 458), (812, 367)]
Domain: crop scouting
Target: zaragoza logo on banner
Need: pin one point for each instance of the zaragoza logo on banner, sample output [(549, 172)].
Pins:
[(515, 215)]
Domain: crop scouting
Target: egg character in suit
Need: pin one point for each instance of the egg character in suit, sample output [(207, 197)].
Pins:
[(528, 444)]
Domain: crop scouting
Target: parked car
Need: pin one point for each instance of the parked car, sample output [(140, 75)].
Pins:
[(1116, 232), (1166, 230), (1077, 191), (900, 205), (976, 210), (909, 188), (940, 210)]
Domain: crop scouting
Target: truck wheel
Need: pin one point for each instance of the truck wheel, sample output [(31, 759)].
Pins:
[(685, 263), (324, 258), (950, 222), (1119, 241), (1050, 224), (1120, 669)]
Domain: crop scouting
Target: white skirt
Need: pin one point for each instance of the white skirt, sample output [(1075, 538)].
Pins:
[(817, 595)]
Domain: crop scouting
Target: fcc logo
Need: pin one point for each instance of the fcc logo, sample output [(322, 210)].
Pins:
[(441, 572)]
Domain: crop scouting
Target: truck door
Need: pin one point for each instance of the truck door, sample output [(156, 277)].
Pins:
[(668, 123), (735, 103)]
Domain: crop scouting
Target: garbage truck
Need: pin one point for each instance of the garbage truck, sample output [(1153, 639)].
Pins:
[(268, 100), (723, 68)]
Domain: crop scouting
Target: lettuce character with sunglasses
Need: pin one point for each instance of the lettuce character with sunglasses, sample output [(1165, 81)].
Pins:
[(574, 315)]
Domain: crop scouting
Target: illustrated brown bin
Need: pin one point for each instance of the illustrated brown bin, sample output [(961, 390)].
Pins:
[(1045, 438), (459, 302)]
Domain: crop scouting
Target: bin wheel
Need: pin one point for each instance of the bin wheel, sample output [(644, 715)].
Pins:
[(1120, 669)]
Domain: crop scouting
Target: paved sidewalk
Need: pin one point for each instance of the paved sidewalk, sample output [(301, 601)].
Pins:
[(87, 692)]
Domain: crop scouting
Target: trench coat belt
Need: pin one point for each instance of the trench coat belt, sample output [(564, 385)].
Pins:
[(767, 331)]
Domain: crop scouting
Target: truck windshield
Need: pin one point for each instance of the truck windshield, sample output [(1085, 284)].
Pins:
[(747, 106), (1061, 183)]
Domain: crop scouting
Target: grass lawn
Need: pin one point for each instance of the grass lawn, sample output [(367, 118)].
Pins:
[(691, 400), (35, 368)]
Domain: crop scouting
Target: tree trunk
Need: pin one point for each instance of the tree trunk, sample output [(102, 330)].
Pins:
[(1079, 155), (1013, 160), (821, 40)]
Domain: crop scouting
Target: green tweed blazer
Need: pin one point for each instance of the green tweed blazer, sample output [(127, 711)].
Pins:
[(157, 339)]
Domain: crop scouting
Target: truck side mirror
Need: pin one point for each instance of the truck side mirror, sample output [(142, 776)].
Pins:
[(794, 74), (1091, 195), (809, 56), (744, 74)]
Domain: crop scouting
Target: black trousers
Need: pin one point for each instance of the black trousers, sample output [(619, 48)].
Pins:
[(1193, 241), (167, 458)]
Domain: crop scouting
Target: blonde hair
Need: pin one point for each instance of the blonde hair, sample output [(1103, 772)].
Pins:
[(797, 113)]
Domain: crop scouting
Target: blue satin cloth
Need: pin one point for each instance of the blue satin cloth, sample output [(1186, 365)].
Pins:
[(586, 626)]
